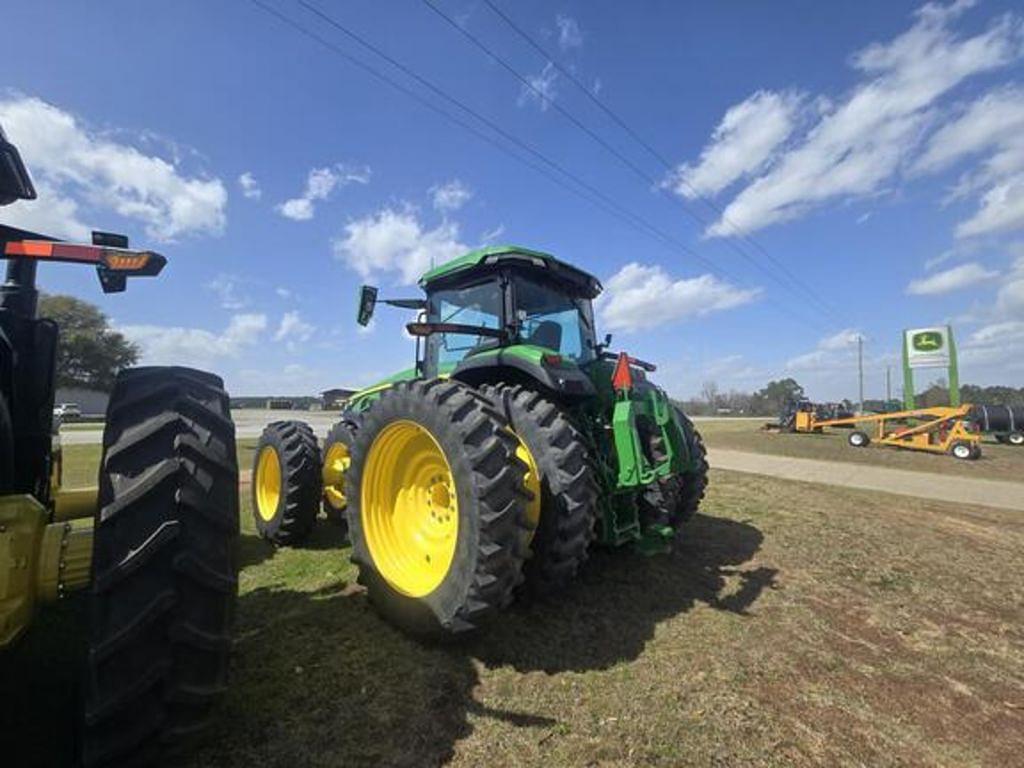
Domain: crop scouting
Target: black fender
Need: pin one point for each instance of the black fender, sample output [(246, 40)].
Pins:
[(566, 381)]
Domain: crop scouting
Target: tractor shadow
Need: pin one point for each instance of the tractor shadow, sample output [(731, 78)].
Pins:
[(612, 611), (252, 550), (320, 680)]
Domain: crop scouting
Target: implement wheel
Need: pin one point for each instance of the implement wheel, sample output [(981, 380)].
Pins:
[(961, 449), (164, 565), (337, 461), (437, 507), (286, 482), (858, 439), (1015, 438), (560, 477)]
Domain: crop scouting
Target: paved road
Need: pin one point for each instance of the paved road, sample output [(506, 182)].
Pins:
[(925, 485)]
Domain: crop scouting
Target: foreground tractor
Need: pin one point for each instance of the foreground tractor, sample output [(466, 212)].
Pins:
[(154, 544), (514, 444)]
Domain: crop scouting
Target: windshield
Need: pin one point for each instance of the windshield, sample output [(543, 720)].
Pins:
[(553, 319), (479, 305)]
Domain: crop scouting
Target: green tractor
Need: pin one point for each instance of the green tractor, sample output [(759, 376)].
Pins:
[(154, 545), (515, 444)]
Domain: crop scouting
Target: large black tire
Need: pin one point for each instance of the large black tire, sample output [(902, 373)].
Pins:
[(164, 565), (337, 450), (6, 447), (676, 499), (491, 541), (568, 486), (287, 517)]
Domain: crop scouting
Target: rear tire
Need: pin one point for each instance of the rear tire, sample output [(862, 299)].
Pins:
[(568, 488), (286, 481), (858, 439), (164, 565), (485, 496), (337, 461), (1015, 438)]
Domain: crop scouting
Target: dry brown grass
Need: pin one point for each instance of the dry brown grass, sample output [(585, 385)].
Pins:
[(999, 462), (794, 625)]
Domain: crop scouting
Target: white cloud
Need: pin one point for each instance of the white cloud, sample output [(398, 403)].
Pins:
[(177, 345), (830, 352), (319, 184), (742, 144), (450, 196), (541, 88), (77, 168), (250, 187), (283, 293), (860, 143), (949, 280), (569, 33), (1001, 210), (992, 125), (640, 296), (293, 330), (228, 291), (394, 240), (492, 234)]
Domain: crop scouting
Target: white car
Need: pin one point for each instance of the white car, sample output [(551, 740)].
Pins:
[(67, 411)]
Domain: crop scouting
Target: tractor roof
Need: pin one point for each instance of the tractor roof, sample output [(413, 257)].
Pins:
[(486, 259)]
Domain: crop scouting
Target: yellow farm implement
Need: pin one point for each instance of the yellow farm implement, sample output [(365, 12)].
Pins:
[(936, 430)]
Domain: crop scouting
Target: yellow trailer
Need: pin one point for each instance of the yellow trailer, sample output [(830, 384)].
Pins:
[(936, 430)]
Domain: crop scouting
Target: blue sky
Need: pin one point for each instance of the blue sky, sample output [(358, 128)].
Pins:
[(873, 150)]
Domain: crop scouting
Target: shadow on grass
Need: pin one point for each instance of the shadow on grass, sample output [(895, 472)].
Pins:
[(252, 550), (611, 613), (320, 680)]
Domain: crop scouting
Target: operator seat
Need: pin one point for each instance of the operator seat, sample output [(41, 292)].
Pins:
[(547, 334)]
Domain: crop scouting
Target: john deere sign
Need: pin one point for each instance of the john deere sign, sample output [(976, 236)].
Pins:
[(929, 348)]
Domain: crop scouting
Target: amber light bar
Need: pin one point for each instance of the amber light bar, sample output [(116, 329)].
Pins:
[(115, 259)]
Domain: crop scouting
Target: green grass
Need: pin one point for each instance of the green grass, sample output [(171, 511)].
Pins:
[(795, 625), (999, 462)]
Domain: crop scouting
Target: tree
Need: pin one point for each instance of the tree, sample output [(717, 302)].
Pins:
[(89, 353), (776, 394), (709, 393)]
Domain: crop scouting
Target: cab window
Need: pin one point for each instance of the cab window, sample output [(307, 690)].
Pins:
[(479, 305)]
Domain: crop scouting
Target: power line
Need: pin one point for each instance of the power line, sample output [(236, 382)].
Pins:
[(589, 192), (794, 279)]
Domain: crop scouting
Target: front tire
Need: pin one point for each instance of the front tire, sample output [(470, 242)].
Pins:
[(961, 449), (676, 499), (286, 483), (164, 569), (437, 508), (564, 511), (337, 461), (1015, 438)]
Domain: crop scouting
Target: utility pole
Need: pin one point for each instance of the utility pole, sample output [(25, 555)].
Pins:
[(888, 384), (860, 370)]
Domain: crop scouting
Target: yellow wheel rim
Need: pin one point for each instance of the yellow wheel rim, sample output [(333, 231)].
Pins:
[(336, 464), (268, 483), (531, 481), (409, 508)]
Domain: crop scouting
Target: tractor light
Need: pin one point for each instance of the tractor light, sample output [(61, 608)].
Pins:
[(127, 262), (552, 361)]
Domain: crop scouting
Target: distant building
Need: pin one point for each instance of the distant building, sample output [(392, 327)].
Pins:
[(90, 402), (335, 399), (279, 404)]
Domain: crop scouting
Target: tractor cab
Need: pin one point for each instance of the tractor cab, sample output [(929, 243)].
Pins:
[(504, 306)]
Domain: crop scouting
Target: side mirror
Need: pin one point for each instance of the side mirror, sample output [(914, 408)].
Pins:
[(15, 183), (367, 302), (607, 340)]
